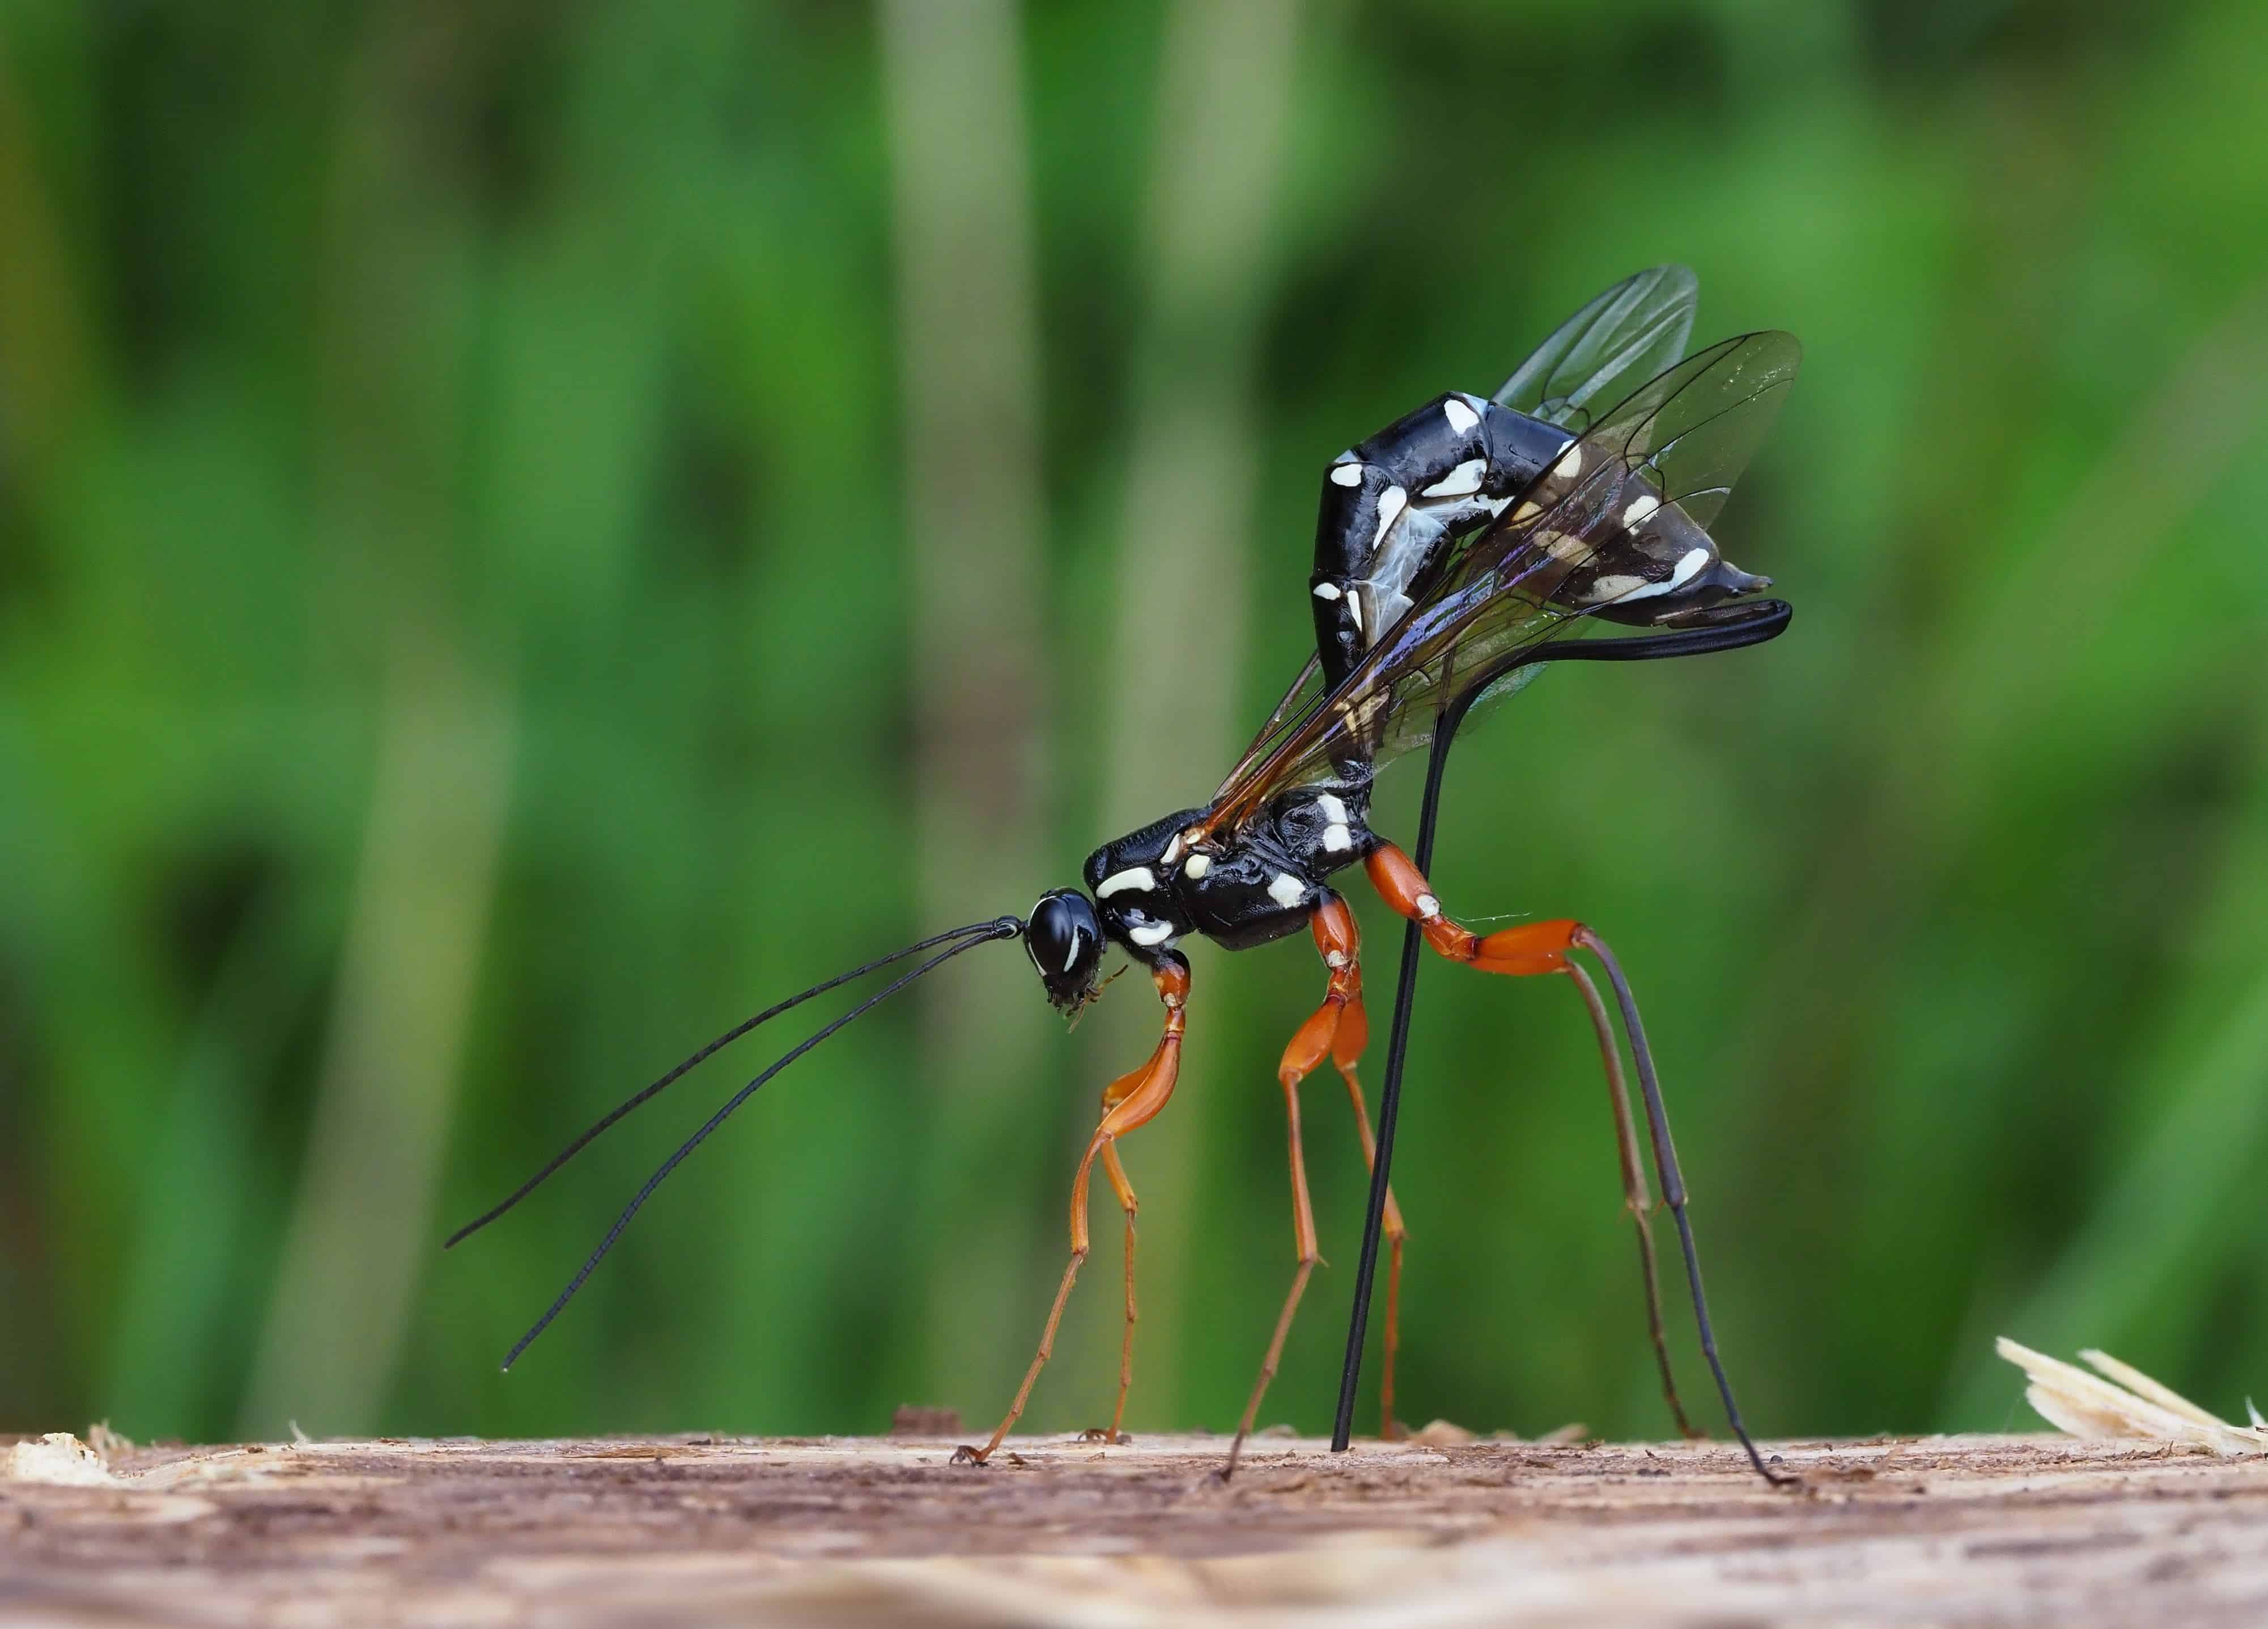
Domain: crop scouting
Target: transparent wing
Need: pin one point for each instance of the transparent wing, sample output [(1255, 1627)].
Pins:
[(1679, 440), (1631, 332), (1305, 692)]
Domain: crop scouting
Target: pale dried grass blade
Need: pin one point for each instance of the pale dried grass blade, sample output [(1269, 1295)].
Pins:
[(2165, 1396), (2087, 1406)]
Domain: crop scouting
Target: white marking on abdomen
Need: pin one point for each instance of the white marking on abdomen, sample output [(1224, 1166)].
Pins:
[(1140, 877), (1612, 587), (1287, 890), (1151, 934), (1466, 477), (1461, 418), (1390, 505), (1428, 907)]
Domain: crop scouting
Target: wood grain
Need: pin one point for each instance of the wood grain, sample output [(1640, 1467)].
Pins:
[(2000, 1529)]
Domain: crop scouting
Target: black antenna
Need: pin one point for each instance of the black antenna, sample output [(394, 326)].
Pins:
[(1727, 628), (989, 930), (1003, 928)]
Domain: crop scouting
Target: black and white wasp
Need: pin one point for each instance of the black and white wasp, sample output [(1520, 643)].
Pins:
[(1456, 551)]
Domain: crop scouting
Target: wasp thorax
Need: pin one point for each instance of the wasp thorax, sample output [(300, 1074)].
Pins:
[(1065, 941)]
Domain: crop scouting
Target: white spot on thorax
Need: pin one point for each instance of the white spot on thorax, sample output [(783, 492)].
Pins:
[(1172, 850), (1287, 890), (1465, 478), (1197, 866), (1337, 839), (1641, 510), (1461, 418), (1326, 591), (1151, 934), (1354, 610), (1140, 877), (1346, 474), (1332, 808)]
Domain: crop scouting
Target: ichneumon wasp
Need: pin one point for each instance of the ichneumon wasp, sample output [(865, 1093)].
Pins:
[(1457, 551)]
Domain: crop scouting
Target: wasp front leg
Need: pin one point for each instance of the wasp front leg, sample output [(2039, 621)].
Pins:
[(1544, 948), (1133, 1101)]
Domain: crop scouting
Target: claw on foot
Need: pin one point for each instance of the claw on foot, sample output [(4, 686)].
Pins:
[(966, 1455)]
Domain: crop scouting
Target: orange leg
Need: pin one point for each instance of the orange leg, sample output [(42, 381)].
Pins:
[(1346, 1049), (1134, 1099), (1543, 948), (1116, 1172), (1337, 1028)]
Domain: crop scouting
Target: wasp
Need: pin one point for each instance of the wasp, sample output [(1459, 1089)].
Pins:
[(1457, 551)]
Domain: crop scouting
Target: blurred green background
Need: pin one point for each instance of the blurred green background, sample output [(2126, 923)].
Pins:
[(527, 533)]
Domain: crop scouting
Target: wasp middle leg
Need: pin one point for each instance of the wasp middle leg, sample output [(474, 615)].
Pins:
[(1336, 938), (1131, 1101), (1544, 947), (1337, 1030)]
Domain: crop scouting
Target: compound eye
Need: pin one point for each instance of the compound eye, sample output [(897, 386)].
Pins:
[(1055, 942), (1061, 936)]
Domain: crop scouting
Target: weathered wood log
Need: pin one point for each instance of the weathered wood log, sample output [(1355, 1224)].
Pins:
[(843, 1531)]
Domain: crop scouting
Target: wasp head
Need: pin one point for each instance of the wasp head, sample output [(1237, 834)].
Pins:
[(1065, 941)]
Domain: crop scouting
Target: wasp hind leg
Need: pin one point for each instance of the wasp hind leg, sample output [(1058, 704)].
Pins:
[(1544, 948), (1131, 1101), (1636, 1200)]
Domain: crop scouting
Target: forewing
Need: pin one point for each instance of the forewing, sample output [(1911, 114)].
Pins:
[(1631, 332), (1683, 437), (1291, 712), (1692, 431)]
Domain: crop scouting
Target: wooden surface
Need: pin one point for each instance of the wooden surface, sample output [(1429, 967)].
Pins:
[(1973, 1529)]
